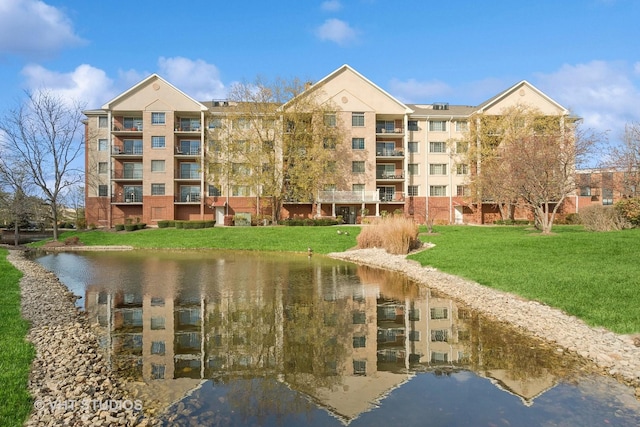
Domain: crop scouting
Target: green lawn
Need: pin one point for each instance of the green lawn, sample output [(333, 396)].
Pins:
[(594, 276), (16, 353)]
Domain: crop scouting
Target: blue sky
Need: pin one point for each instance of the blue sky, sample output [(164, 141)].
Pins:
[(582, 53)]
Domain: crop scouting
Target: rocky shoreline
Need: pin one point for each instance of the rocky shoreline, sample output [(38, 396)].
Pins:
[(70, 380), (72, 384), (616, 355)]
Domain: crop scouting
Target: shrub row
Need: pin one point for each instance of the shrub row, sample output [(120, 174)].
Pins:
[(186, 224), (310, 222), (130, 227), (512, 222)]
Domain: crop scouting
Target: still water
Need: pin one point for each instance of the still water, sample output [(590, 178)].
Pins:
[(237, 338)]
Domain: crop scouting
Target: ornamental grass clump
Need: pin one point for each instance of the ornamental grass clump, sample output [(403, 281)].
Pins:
[(395, 234)]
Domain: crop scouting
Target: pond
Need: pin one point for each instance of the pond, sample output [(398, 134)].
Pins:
[(242, 338)]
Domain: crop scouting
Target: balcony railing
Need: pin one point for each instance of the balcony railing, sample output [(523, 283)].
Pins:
[(347, 196), (396, 196), (389, 175), (189, 198), (119, 150), (133, 175), (126, 198), (188, 175), (392, 131), (193, 151), (389, 153)]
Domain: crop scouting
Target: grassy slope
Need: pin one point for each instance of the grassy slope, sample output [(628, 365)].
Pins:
[(594, 276), (16, 353)]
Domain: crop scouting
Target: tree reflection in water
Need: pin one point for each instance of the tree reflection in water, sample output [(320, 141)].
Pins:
[(280, 335)]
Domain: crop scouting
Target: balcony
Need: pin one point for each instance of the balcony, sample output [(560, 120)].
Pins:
[(188, 175), (132, 129), (392, 196), (389, 153), (135, 199), (389, 176), (119, 150), (125, 175), (348, 196), (188, 151), (189, 198)]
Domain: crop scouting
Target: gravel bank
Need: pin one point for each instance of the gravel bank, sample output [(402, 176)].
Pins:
[(616, 355), (70, 382)]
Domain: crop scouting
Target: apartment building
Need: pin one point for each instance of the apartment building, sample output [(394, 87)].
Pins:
[(146, 156)]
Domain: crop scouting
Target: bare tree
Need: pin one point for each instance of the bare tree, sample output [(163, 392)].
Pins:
[(525, 157), (625, 158), (15, 181), (45, 132)]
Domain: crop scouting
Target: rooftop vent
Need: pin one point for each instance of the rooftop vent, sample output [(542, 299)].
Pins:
[(440, 105), (220, 103)]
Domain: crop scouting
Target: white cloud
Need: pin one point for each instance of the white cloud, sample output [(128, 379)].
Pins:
[(34, 29), (336, 31), (331, 5), (414, 91), (85, 84), (604, 94), (197, 78)]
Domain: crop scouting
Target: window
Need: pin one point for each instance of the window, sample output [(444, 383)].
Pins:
[(132, 170), (360, 367), (189, 193), (214, 191), (414, 335), (157, 322), (439, 357), (215, 123), (607, 196), (132, 146), (158, 118), (103, 191), (242, 124), (102, 145), (189, 147), (102, 122), (359, 342), (133, 123), (329, 143), (462, 146), (215, 145), (462, 126), (357, 167), (439, 335), (438, 190), (240, 169), (157, 347), (103, 167), (158, 142), (414, 314), (189, 170), (357, 119), (413, 146), (437, 169), (413, 190), (157, 371), (462, 169), (359, 317), (330, 120), (413, 125), (157, 189), (413, 169), (357, 187), (268, 123), (462, 191), (157, 302), (439, 313), (438, 126), (240, 190), (157, 165), (437, 147), (357, 143)]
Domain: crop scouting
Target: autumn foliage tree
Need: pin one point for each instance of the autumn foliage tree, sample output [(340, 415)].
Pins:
[(278, 139), (525, 158)]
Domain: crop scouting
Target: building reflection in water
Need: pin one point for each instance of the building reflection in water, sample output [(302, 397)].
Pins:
[(343, 335)]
